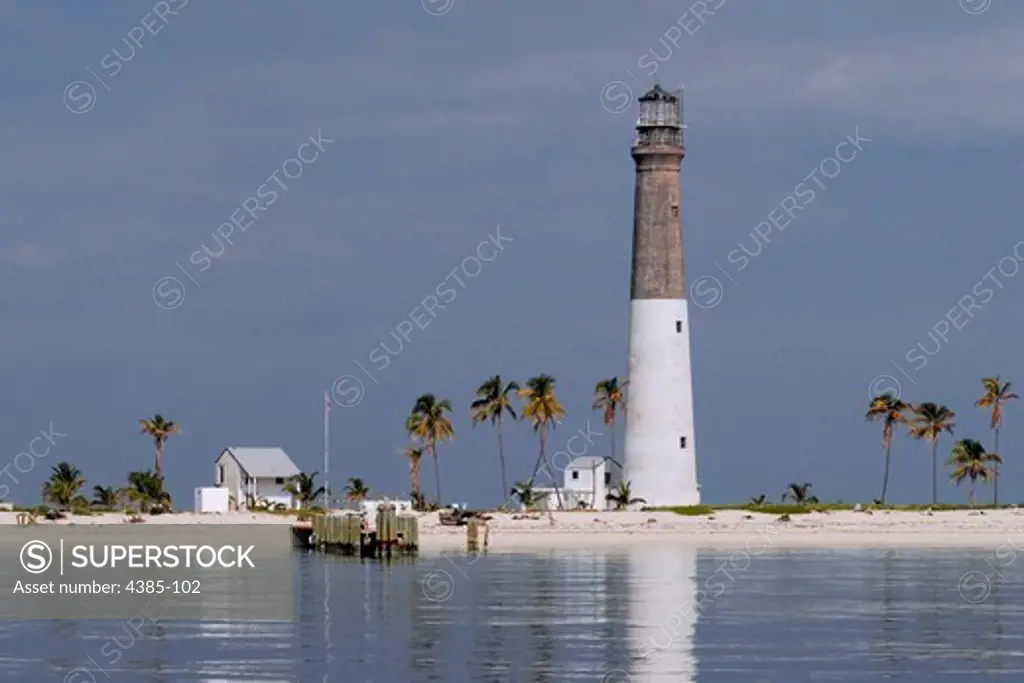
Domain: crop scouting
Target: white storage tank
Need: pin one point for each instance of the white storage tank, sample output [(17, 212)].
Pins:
[(212, 499)]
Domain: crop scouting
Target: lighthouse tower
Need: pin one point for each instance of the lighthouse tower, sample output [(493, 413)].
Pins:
[(661, 461)]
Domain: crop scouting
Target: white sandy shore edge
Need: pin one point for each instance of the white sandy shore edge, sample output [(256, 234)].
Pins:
[(734, 529), (726, 529)]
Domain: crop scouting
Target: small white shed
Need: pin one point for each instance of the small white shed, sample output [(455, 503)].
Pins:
[(586, 482), (212, 499)]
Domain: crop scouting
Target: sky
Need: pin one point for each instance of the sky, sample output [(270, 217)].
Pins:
[(431, 134)]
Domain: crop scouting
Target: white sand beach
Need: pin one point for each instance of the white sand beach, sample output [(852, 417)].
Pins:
[(738, 529), (725, 529)]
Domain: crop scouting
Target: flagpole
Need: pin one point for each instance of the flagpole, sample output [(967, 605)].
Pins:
[(327, 451)]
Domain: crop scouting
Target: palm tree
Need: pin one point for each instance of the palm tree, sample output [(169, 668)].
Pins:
[(356, 490), (609, 396), (493, 402), (622, 497), (889, 409), (105, 496), (303, 487), (159, 430), (527, 497), (61, 488), (996, 393), (929, 422), (429, 423), (414, 454), (147, 489), (758, 500), (542, 409), (799, 494), (970, 460)]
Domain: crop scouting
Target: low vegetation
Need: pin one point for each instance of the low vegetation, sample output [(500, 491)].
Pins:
[(622, 497), (791, 509), (61, 493)]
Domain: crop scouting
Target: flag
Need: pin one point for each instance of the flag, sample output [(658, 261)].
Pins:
[(327, 402)]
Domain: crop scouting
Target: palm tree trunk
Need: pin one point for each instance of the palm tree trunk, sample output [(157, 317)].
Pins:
[(995, 469), (159, 458), (885, 478), (970, 495), (612, 463), (612, 425), (501, 458), (437, 469), (540, 458), (593, 471), (935, 471), (554, 477)]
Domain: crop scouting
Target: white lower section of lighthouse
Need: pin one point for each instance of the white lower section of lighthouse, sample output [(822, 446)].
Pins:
[(660, 458)]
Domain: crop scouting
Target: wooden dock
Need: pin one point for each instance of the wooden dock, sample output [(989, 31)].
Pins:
[(394, 534)]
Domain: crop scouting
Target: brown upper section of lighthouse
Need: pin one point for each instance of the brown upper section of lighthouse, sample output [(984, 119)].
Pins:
[(657, 228)]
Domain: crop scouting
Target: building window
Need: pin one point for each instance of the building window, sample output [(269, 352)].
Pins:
[(575, 474), (279, 481), (682, 442), (675, 211), (679, 327), (220, 474), (607, 478)]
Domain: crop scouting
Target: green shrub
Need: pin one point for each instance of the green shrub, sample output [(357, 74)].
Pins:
[(686, 510), (791, 509)]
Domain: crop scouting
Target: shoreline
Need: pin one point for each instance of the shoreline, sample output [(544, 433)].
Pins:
[(741, 530), (725, 530)]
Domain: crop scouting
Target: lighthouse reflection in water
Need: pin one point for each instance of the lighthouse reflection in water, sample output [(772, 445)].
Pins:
[(661, 616)]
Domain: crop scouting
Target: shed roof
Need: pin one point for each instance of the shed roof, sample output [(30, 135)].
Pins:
[(263, 462), (585, 461)]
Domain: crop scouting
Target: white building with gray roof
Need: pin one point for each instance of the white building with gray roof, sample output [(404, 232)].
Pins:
[(255, 474)]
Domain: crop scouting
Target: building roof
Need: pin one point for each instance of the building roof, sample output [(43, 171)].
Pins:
[(588, 461), (263, 462), (584, 461)]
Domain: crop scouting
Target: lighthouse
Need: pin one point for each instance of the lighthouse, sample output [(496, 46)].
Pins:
[(660, 452)]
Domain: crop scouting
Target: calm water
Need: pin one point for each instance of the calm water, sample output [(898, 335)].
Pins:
[(666, 613)]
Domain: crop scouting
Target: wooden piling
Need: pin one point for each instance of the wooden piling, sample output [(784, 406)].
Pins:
[(345, 534), (387, 529), (407, 531), (478, 535)]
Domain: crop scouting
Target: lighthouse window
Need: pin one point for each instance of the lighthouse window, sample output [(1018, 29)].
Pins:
[(679, 326), (682, 442), (675, 211)]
